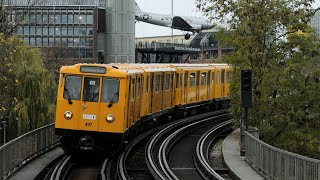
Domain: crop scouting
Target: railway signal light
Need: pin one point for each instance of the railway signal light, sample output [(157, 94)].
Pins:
[(246, 88)]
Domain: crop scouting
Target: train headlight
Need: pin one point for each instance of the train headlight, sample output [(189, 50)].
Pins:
[(68, 115), (110, 118)]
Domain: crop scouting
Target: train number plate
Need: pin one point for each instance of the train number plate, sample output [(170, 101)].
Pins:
[(89, 116)]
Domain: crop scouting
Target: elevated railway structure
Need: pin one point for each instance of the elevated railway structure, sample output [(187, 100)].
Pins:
[(271, 162)]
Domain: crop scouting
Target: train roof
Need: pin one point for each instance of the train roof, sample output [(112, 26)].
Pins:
[(122, 70)]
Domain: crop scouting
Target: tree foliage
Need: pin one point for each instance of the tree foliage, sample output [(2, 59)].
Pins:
[(267, 38), (27, 93)]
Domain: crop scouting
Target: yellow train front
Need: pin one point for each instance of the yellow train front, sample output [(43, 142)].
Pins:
[(90, 106), (98, 106)]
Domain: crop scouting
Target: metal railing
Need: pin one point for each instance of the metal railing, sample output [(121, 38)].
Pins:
[(159, 45), (274, 163), (17, 152)]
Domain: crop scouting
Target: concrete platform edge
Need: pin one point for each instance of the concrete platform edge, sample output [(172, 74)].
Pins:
[(238, 167)]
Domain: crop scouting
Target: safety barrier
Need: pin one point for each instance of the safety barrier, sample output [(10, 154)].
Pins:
[(17, 152), (274, 163)]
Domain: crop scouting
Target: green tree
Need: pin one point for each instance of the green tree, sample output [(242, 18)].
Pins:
[(285, 63), (27, 99)]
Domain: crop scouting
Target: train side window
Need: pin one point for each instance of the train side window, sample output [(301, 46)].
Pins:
[(218, 77), (185, 79), (133, 81), (177, 80), (208, 80), (181, 80), (157, 83), (172, 83), (167, 82), (192, 78), (212, 78), (139, 87), (203, 78), (228, 76), (198, 78), (147, 85), (151, 83), (222, 75)]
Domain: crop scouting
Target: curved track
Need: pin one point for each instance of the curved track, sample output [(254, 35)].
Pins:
[(211, 168), (169, 152)]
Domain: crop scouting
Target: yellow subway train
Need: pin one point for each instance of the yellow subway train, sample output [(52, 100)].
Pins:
[(101, 105)]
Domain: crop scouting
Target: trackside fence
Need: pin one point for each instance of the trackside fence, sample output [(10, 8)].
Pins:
[(274, 163), (17, 152)]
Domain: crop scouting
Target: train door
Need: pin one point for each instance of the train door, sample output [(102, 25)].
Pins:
[(198, 86), (178, 89), (146, 100), (181, 88), (208, 85), (137, 98), (151, 92), (131, 101), (223, 82), (90, 108), (186, 87), (167, 93), (157, 93)]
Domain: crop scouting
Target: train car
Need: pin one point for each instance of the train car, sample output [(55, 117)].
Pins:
[(102, 105)]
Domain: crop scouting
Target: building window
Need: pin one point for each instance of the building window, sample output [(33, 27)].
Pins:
[(39, 41), (39, 30), (64, 19), (45, 31), (51, 18), (70, 19), (51, 31), (57, 19), (89, 19)]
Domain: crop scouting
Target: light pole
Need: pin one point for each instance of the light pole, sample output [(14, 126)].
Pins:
[(172, 19), (4, 131)]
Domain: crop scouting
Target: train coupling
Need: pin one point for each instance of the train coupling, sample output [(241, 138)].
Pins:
[(86, 143)]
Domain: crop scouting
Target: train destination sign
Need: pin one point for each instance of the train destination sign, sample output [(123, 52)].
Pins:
[(93, 69)]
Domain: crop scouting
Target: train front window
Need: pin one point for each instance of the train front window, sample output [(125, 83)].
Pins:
[(110, 90), (72, 88), (91, 89)]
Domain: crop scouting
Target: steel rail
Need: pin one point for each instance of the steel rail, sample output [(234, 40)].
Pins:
[(151, 163), (178, 134), (103, 169), (201, 158), (122, 172), (61, 169)]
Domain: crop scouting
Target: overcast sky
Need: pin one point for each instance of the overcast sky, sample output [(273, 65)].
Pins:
[(180, 7)]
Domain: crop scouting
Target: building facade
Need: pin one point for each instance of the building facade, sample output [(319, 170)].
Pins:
[(315, 22), (77, 28)]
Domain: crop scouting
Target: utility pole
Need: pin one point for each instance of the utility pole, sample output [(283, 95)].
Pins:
[(172, 19)]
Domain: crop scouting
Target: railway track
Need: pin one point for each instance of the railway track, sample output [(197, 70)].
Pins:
[(77, 168), (208, 155), (169, 153), (178, 150)]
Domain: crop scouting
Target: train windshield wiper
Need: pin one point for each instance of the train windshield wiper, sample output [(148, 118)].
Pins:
[(113, 99), (68, 95)]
